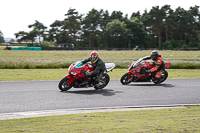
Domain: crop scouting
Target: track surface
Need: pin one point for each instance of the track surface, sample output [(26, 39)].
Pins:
[(22, 96)]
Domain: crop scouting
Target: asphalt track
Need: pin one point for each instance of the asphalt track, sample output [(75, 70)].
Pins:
[(34, 96)]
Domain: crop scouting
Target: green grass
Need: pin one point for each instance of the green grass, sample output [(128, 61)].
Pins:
[(58, 74), (62, 59), (173, 120)]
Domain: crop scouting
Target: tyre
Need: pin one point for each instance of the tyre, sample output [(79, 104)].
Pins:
[(163, 77), (63, 84), (103, 82), (125, 79)]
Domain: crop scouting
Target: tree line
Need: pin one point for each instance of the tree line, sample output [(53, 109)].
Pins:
[(161, 27)]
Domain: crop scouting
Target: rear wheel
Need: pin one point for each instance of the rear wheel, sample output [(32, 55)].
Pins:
[(125, 79), (103, 82), (63, 84), (163, 77)]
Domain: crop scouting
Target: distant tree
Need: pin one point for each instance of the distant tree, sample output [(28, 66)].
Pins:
[(194, 27), (105, 19), (91, 27), (158, 16), (21, 36), (117, 34), (170, 24), (145, 18), (181, 21), (137, 15), (72, 25), (55, 31), (33, 34), (12, 40), (40, 29), (117, 15), (138, 35), (193, 30), (1, 37)]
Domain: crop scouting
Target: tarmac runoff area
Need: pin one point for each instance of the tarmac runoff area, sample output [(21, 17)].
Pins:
[(29, 114)]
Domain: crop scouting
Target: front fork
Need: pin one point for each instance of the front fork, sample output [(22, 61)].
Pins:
[(71, 79), (131, 76)]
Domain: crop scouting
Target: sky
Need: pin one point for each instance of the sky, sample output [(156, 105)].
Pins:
[(16, 15)]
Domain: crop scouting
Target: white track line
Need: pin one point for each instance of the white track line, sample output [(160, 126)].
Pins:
[(17, 115)]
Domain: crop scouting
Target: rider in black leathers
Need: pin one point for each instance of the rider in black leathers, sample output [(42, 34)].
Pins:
[(8, 47), (98, 64)]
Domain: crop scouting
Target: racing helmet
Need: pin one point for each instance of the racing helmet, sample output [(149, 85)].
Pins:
[(94, 56), (154, 55)]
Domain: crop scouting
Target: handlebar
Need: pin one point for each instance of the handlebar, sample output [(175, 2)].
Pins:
[(82, 71)]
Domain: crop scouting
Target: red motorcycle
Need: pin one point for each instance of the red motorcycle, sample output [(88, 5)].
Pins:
[(77, 79), (137, 73)]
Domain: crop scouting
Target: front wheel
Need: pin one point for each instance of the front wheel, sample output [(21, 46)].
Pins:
[(163, 77), (125, 79), (63, 84), (103, 82)]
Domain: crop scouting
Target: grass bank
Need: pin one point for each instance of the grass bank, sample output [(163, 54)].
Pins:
[(62, 59), (58, 74), (159, 120)]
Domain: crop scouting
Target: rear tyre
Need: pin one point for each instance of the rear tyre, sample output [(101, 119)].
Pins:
[(103, 82), (63, 84), (125, 79), (163, 77)]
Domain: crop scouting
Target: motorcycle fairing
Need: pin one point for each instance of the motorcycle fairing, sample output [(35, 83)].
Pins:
[(167, 64), (71, 79)]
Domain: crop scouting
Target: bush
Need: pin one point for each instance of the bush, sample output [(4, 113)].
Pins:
[(185, 66), (167, 45), (174, 44), (194, 43)]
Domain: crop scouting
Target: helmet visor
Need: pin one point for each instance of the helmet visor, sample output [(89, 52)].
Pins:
[(93, 58), (153, 57)]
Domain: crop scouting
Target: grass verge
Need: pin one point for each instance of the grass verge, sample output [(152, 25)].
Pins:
[(14, 59), (158, 120), (58, 74)]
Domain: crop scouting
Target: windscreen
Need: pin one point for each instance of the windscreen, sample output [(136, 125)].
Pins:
[(138, 63), (79, 65)]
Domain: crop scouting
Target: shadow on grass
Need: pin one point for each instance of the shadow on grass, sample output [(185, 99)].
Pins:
[(104, 92), (164, 85)]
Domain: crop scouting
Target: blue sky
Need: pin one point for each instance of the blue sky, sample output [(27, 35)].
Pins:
[(16, 15)]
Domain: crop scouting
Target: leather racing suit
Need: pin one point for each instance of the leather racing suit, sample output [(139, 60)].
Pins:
[(99, 68), (159, 66)]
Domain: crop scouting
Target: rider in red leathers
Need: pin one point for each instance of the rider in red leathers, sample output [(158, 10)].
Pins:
[(159, 64)]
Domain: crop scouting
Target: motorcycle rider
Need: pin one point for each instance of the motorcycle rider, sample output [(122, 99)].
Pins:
[(98, 64), (159, 64), (8, 47)]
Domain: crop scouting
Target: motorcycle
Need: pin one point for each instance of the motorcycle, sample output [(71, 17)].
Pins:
[(77, 77), (137, 73)]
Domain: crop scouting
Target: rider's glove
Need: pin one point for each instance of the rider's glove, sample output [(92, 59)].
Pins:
[(147, 71), (88, 74)]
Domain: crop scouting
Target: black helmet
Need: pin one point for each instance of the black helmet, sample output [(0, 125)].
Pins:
[(154, 55)]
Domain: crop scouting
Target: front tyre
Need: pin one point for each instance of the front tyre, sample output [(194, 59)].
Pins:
[(63, 84), (103, 82), (125, 79), (163, 77)]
